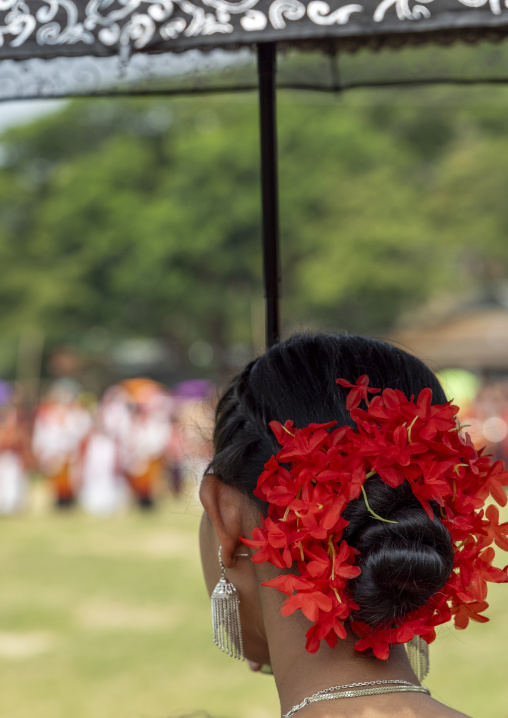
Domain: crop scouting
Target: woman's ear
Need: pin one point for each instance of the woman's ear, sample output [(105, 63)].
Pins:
[(225, 506)]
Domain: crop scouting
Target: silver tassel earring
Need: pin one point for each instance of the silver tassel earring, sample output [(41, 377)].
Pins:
[(418, 654), (227, 631)]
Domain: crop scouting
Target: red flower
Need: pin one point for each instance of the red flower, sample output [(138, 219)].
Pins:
[(493, 529), (288, 583), (283, 432), (329, 629), (321, 467), (344, 562), (359, 391), (311, 603), (320, 563), (436, 417), (274, 474), (270, 541), (469, 611), (378, 641), (495, 481)]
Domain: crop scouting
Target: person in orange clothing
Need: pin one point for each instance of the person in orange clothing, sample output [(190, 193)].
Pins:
[(146, 438), (61, 425), (14, 453)]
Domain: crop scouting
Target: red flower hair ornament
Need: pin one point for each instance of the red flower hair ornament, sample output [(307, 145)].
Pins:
[(320, 469)]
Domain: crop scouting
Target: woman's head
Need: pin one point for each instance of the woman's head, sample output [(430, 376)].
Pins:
[(402, 563), (296, 380)]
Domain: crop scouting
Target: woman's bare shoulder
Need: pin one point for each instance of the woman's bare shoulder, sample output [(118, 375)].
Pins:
[(439, 710), (428, 709)]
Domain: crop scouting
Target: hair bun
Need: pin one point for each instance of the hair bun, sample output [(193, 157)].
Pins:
[(404, 563)]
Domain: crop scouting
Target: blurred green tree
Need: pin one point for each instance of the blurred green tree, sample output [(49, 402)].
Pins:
[(143, 217)]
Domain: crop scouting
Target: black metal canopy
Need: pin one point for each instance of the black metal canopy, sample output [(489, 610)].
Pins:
[(50, 28), (59, 48), (62, 48)]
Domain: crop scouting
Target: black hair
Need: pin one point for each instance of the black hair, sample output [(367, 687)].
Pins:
[(402, 563)]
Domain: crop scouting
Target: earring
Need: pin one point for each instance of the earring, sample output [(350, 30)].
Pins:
[(227, 631), (418, 654)]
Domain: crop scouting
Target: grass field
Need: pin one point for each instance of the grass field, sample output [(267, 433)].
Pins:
[(110, 619)]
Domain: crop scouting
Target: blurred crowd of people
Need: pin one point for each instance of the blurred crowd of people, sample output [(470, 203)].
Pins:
[(486, 418), (137, 442), (142, 440)]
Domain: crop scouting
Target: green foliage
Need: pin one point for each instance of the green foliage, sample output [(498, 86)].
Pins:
[(143, 216)]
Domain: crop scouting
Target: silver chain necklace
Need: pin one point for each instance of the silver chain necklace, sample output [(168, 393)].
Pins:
[(376, 688)]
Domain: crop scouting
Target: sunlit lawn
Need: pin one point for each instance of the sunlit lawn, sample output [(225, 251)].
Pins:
[(109, 618)]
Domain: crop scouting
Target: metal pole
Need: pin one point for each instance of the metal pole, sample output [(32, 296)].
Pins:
[(269, 187)]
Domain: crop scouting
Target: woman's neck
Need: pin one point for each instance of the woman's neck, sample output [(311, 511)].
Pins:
[(299, 674)]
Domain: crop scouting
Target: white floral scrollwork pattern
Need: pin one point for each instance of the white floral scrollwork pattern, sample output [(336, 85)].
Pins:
[(403, 9), (254, 20), (495, 5), (282, 10), (141, 24), (320, 13)]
